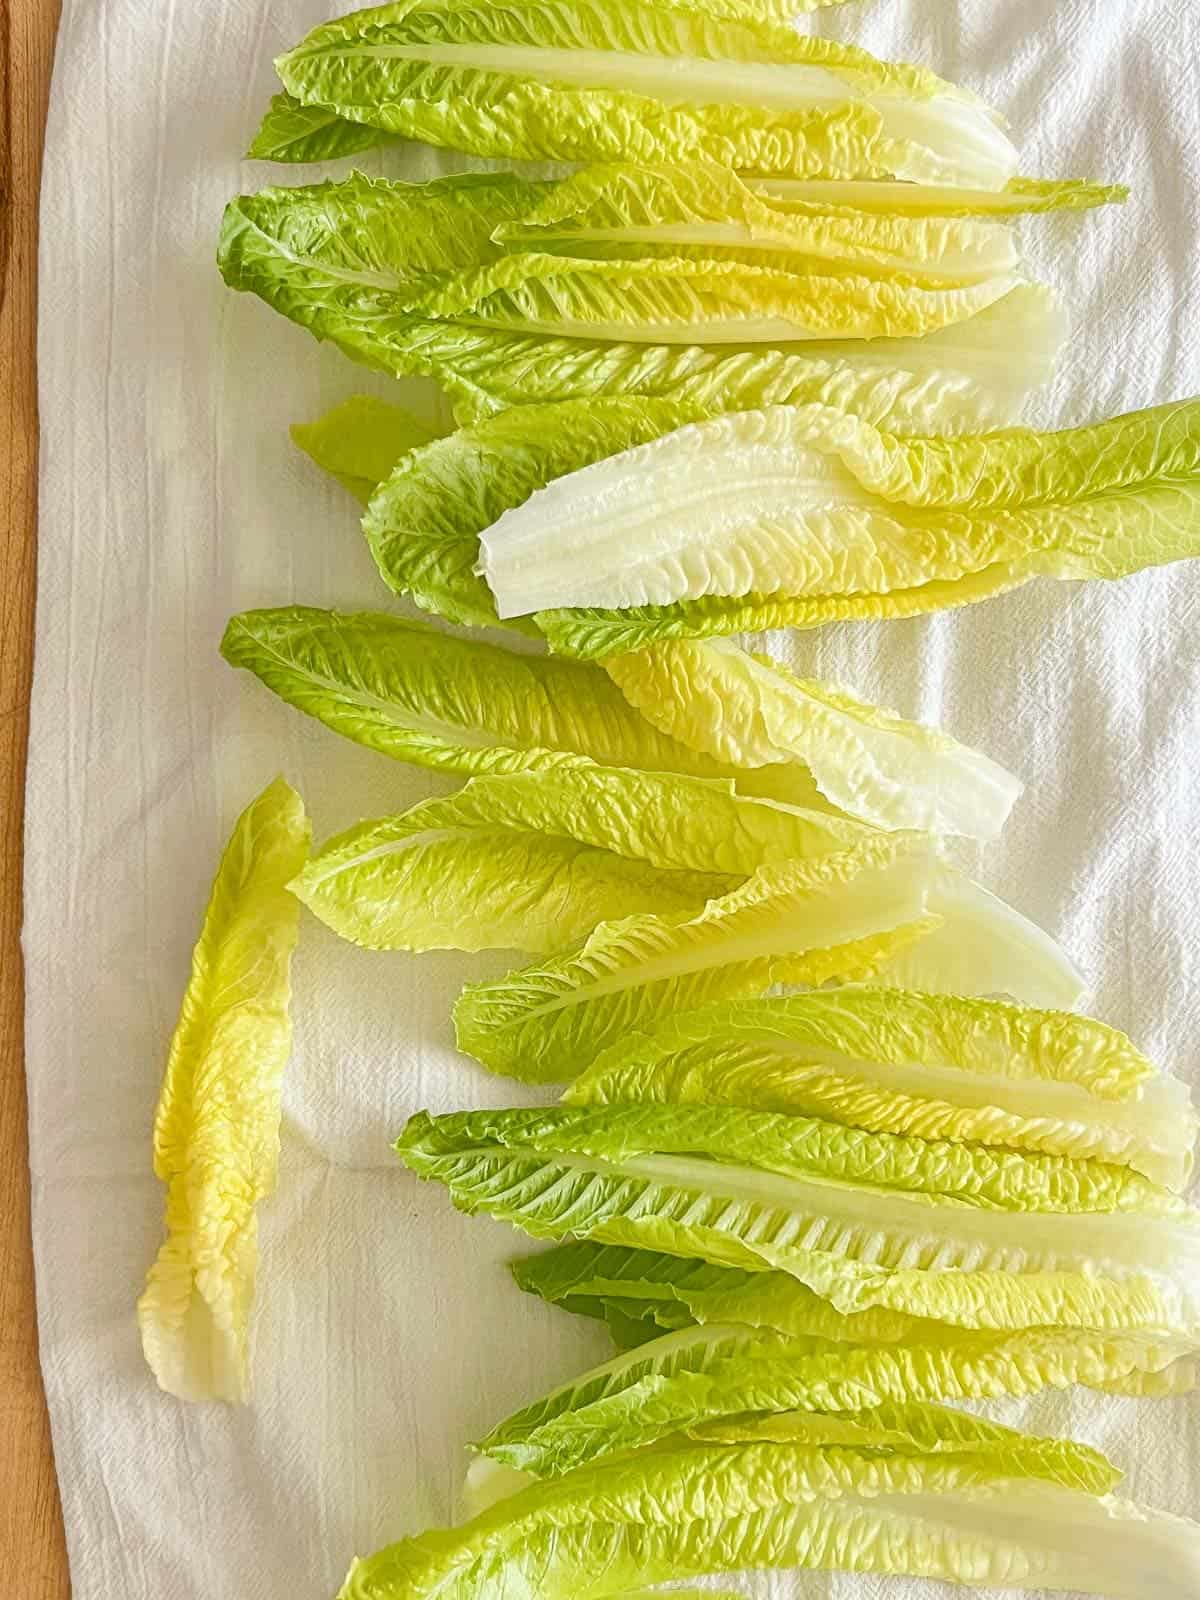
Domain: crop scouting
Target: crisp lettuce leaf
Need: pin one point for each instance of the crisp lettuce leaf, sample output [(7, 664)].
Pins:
[(1019, 196), (834, 518), (478, 508), (967, 377), (699, 1377), (924, 1428), (698, 210), (360, 441), (427, 881), (547, 1022), (749, 711), (679, 299), (672, 1291), (338, 255), (988, 1514), (941, 1067), (216, 1130), (533, 861), (292, 131), (595, 80), (855, 1245), (417, 694), (804, 921), (827, 1159)]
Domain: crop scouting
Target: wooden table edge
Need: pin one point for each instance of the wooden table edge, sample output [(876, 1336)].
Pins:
[(33, 1559)]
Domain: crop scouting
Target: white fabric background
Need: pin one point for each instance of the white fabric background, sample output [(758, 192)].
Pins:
[(387, 1331)]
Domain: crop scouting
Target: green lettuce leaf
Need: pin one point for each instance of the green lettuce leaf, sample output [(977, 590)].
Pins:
[(749, 711), (803, 921), (679, 299), (966, 378), (1019, 196), (216, 1130), (292, 131), (422, 696), (817, 1153), (855, 1245), (595, 80), (671, 1291), (704, 1376), (924, 1428), (848, 521), (533, 861), (360, 441), (940, 1067), (548, 1022), (697, 210), (429, 882), (411, 692), (983, 1515)]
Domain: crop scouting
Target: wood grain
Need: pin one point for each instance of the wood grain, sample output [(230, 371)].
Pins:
[(33, 1558)]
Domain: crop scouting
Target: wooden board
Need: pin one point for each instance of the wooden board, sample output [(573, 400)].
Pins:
[(33, 1559)]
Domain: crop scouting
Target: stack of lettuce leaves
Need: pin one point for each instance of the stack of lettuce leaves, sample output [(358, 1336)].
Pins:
[(713, 711), (741, 368), (540, 861), (783, 517), (681, 282)]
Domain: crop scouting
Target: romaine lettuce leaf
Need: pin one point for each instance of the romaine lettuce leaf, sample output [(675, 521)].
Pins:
[(597, 80), (548, 1022), (855, 1245), (533, 861), (426, 881), (475, 518), (834, 518), (216, 1130), (982, 1515), (699, 1377), (938, 1066), (749, 711), (339, 256), (802, 922), (414, 693), (1019, 196), (292, 131), (672, 1291), (819, 1155), (968, 377), (698, 210), (480, 506), (680, 299), (360, 441)]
